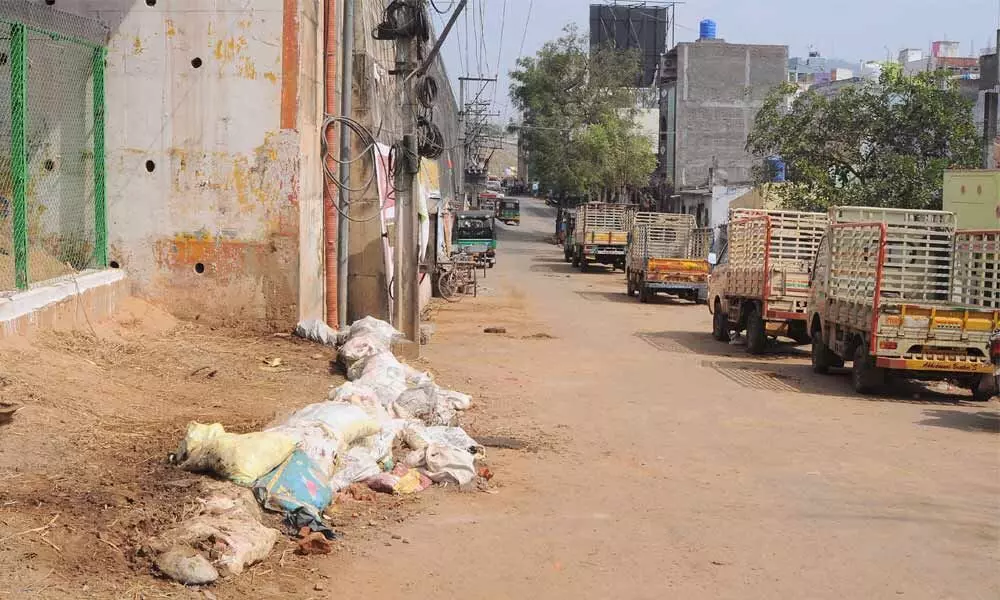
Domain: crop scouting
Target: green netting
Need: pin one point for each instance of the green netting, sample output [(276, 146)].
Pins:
[(52, 214)]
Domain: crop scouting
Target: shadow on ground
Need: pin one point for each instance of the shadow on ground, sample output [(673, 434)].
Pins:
[(698, 342), (800, 378), (987, 422)]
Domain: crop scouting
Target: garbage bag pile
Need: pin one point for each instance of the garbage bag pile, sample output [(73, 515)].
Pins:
[(390, 427)]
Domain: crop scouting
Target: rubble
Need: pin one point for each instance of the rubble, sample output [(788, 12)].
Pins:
[(390, 428)]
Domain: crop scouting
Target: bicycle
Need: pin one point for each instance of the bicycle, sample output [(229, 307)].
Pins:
[(456, 279)]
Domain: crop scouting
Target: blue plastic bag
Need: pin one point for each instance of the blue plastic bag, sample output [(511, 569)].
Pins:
[(296, 485)]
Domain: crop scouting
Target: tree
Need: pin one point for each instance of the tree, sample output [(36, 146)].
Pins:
[(579, 126), (876, 143)]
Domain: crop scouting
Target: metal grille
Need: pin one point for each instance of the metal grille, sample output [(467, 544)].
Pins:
[(701, 243), (52, 188), (919, 245), (977, 268)]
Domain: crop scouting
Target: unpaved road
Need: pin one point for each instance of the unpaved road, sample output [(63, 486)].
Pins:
[(663, 464), (651, 461)]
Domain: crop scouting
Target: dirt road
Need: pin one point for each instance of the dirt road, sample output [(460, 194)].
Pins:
[(644, 459), (662, 464)]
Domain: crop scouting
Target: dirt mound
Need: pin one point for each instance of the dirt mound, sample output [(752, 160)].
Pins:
[(102, 408)]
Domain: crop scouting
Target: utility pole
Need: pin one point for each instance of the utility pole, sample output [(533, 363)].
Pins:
[(991, 110), (407, 163), (473, 115)]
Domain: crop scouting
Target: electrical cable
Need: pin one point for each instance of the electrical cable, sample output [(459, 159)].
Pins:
[(368, 139), (426, 91), (445, 11)]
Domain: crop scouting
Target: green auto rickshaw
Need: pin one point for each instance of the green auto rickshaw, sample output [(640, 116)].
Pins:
[(509, 211), (475, 236)]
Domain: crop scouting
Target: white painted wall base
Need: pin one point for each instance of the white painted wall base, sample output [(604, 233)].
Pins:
[(92, 295)]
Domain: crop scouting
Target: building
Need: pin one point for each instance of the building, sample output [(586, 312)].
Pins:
[(710, 92), (214, 169)]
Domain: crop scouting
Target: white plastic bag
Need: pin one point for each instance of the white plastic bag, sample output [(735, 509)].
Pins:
[(239, 457), (320, 443), (360, 348), (456, 437), (446, 464), (349, 423), (318, 331), (380, 444), (357, 465), (457, 400), (423, 403), (382, 331), (363, 397)]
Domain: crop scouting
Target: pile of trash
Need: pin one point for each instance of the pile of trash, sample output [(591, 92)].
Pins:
[(390, 427)]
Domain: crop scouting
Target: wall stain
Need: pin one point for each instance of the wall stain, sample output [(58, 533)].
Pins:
[(137, 46), (271, 76), (171, 29)]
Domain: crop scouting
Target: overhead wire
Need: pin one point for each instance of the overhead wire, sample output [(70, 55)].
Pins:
[(367, 138)]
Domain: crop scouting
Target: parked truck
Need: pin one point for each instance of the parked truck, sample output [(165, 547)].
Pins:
[(667, 253), (600, 234), (894, 294), (760, 280)]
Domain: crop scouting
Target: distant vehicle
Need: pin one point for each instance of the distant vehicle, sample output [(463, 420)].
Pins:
[(509, 211), (488, 200), (494, 185), (601, 235), (760, 279), (667, 253), (475, 236), (894, 294)]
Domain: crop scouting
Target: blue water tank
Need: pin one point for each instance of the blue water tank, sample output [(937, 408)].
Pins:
[(776, 167), (706, 30)]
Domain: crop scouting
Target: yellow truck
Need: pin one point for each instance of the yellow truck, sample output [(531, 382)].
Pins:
[(760, 279), (667, 253), (893, 293), (600, 234)]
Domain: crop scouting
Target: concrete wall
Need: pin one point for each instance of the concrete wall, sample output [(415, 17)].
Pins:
[(214, 188), (720, 88)]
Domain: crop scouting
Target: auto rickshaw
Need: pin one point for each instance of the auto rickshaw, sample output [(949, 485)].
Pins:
[(475, 236), (509, 211)]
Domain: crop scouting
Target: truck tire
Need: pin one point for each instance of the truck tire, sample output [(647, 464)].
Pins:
[(865, 376), (756, 333), (720, 324), (644, 293), (822, 356), (984, 388), (629, 284)]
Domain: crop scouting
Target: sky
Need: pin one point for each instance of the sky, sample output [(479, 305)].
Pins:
[(854, 30)]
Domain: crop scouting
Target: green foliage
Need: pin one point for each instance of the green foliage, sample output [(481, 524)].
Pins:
[(579, 126), (876, 143)]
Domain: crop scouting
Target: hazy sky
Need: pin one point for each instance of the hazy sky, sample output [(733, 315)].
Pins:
[(848, 29)]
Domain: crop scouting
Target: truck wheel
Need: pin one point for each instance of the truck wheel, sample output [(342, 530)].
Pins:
[(756, 334), (720, 324), (821, 359), (866, 377), (984, 388), (644, 293), (629, 285)]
